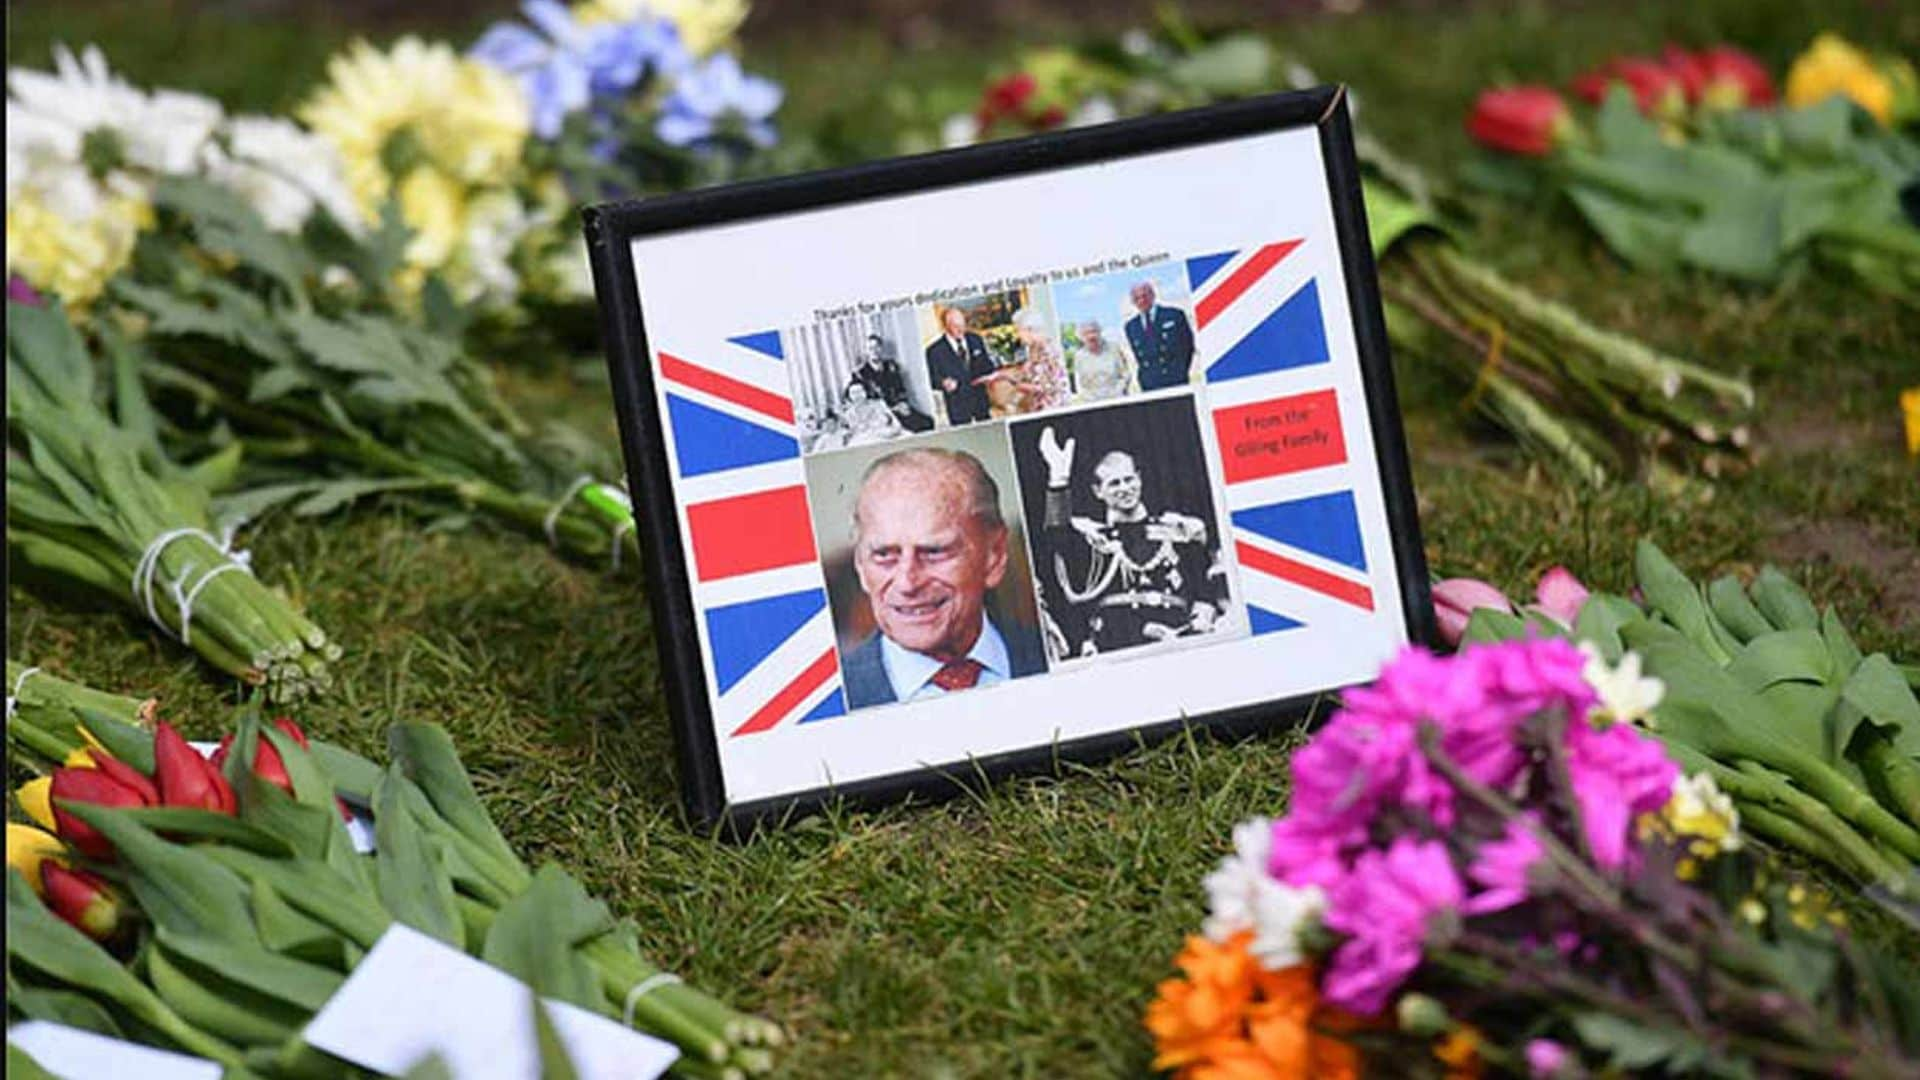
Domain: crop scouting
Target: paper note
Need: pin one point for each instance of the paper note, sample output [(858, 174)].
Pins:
[(73, 1054), (412, 996)]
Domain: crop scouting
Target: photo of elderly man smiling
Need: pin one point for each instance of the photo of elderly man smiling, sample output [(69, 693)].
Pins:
[(931, 560)]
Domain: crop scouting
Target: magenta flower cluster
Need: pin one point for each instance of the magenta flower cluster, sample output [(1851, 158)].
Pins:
[(1376, 824)]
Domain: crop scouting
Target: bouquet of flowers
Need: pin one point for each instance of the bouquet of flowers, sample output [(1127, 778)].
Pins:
[(1816, 742), (212, 904), (94, 501), (1487, 864), (1690, 160)]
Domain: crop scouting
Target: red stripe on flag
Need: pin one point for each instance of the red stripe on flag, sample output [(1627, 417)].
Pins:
[(751, 532), (745, 395), (787, 699), (1305, 576), (1240, 281)]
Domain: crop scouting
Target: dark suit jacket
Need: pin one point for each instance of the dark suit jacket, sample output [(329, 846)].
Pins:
[(864, 673), (1166, 355), (967, 402)]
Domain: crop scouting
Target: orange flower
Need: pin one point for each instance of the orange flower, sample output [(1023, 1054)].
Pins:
[(1459, 1051), (1231, 1020)]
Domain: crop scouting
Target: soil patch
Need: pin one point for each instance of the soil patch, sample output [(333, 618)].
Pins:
[(1893, 566)]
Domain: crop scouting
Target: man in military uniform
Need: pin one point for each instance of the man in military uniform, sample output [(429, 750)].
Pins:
[(1161, 338), (1130, 577), (884, 382)]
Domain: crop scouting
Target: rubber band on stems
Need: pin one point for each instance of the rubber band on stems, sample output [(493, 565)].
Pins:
[(149, 567), (1496, 353), (13, 696), (644, 987)]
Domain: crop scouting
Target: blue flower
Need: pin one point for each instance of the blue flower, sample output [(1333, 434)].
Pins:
[(564, 66), (711, 92)]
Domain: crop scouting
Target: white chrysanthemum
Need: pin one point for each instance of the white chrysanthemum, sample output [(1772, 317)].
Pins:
[(1242, 895), (496, 222), (1625, 696), (162, 132), (960, 129), (282, 171)]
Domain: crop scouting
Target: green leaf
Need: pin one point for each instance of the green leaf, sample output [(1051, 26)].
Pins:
[(536, 938), (22, 1065), (75, 1010), (1488, 625), (1877, 689), (1784, 603), (302, 985), (1631, 1045), (426, 753), (315, 889), (290, 933), (1233, 66), (1646, 239), (554, 1062), (1730, 604), (351, 775), (1846, 655), (222, 221), (193, 823), (1674, 595), (1743, 235), (177, 886), (1798, 655), (409, 867), (130, 744)]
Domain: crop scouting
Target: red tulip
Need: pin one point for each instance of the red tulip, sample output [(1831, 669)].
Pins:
[(1687, 68), (1658, 91), (1734, 79), (1529, 120), (1456, 599), (186, 778), (103, 786), (83, 899), (267, 763)]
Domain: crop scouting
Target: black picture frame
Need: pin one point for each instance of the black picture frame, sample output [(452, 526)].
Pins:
[(611, 227)]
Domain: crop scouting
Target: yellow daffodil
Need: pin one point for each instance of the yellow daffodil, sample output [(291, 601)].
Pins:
[(1832, 65), (28, 847), (72, 259), (704, 25), (36, 801)]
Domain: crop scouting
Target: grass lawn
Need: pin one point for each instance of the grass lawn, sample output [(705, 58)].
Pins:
[(1020, 930)]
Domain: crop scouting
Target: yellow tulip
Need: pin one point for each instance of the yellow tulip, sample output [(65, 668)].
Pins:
[(1910, 405), (81, 757), (28, 847), (1832, 66), (35, 800)]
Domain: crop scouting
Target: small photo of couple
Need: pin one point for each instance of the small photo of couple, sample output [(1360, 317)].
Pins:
[(1127, 332), (850, 386), (993, 355)]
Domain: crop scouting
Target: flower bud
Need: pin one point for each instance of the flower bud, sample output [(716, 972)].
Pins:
[(28, 848), (84, 900), (1656, 90), (186, 778), (36, 802), (1455, 600), (101, 787), (1422, 1016), (1560, 595), (1525, 120), (1733, 79)]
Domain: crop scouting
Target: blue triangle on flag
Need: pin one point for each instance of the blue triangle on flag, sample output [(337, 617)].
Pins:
[(1327, 525), (708, 440), (1292, 336), (746, 633), (1266, 622), (767, 342), (834, 704), (1202, 267)]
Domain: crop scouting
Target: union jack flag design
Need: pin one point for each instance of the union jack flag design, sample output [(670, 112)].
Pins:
[(756, 577), (1296, 530)]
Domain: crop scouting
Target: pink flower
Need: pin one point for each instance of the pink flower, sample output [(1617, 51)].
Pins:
[(1560, 595), (1386, 907), (1545, 1058), (1525, 120), (1456, 599), (20, 291), (1501, 867), (1618, 774)]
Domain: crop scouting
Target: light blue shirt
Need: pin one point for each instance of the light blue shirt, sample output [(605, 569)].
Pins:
[(911, 673)]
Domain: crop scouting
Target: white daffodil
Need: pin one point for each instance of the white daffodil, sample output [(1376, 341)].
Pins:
[(1625, 695), (282, 171), (1243, 895)]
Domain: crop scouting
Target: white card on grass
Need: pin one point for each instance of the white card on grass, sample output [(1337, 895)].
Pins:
[(73, 1054), (412, 996)]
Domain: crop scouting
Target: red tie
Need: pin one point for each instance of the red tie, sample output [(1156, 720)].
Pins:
[(959, 674)]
